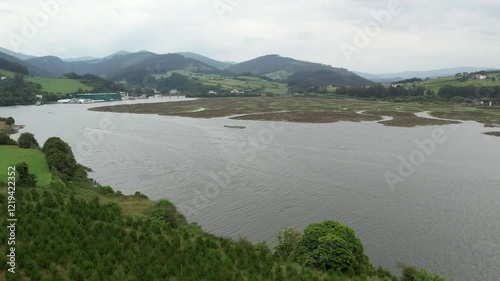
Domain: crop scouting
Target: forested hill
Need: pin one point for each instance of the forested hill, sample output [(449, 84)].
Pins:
[(13, 66), (275, 65), (32, 69), (124, 66), (74, 229)]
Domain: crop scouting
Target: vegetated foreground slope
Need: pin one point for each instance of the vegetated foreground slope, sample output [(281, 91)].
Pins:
[(75, 230)]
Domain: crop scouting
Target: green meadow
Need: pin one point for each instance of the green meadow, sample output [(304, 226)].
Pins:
[(59, 85), (52, 85), (11, 155), (241, 83), (438, 83)]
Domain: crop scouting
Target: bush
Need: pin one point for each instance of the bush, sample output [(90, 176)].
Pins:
[(165, 211), (410, 273), (286, 242), (24, 178), (27, 140), (105, 190), (6, 140), (137, 194), (61, 160), (10, 121), (331, 245)]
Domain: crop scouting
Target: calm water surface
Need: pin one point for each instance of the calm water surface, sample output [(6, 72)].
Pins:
[(251, 183)]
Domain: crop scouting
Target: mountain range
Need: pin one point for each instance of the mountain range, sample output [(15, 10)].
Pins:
[(134, 67)]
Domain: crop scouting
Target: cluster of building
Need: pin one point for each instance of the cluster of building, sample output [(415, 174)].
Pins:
[(84, 98), (234, 91)]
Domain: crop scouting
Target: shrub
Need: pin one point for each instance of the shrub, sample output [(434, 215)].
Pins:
[(105, 190), (61, 160), (27, 140), (331, 245), (24, 177), (286, 242), (6, 140), (166, 212), (410, 273), (10, 121)]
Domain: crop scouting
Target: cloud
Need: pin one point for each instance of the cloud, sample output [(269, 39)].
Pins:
[(424, 35)]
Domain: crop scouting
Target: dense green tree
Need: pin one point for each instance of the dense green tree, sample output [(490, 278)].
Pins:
[(331, 245), (286, 242), (6, 140), (13, 66), (61, 159), (10, 121), (27, 140), (24, 177)]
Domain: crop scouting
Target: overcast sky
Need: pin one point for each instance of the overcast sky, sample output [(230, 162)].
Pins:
[(414, 35)]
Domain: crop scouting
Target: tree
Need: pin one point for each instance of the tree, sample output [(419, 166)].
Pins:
[(10, 121), (60, 158), (286, 241), (27, 140), (24, 177), (332, 252), (6, 140), (331, 245)]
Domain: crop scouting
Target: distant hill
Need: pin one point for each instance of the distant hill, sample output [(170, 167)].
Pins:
[(206, 60), (124, 66), (33, 69), (54, 65), (78, 59), (274, 63), (277, 66), (389, 77), (16, 54)]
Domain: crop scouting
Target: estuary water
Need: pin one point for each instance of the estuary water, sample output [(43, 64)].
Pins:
[(441, 211)]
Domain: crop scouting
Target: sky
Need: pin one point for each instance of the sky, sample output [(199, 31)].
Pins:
[(373, 36)]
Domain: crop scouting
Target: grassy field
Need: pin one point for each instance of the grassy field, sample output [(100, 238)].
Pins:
[(241, 83), (11, 155), (7, 73), (59, 85), (438, 83), (248, 83), (316, 110), (52, 85)]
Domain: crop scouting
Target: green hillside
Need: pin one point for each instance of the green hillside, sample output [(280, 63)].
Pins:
[(11, 155), (247, 83), (6, 73), (52, 85), (240, 83), (438, 83), (59, 85)]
